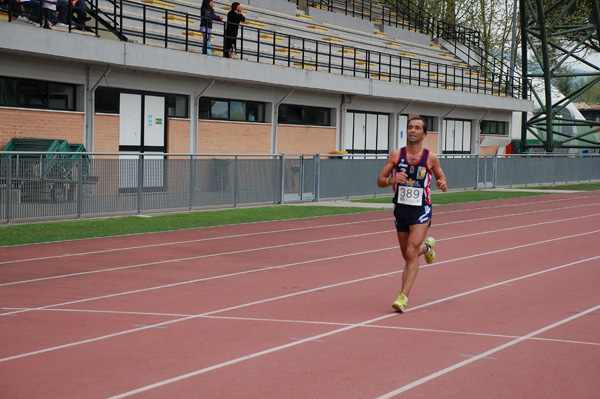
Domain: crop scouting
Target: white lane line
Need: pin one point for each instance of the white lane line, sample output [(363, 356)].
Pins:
[(364, 323), (291, 244), (310, 322), (289, 296), (484, 354), (533, 201), (262, 269), (194, 258), (195, 241), (111, 250)]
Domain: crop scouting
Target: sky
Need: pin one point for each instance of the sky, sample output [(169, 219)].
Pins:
[(593, 59)]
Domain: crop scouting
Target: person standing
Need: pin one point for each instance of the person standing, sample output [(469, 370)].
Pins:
[(234, 18), (208, 16), (409, 171)]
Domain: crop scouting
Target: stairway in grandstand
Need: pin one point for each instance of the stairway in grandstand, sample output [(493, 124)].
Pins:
[(362, 38)]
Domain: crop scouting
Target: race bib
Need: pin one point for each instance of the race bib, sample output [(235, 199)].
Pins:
[(410, 195)]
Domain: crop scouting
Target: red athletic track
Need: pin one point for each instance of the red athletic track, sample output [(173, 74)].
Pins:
[(302, 309)]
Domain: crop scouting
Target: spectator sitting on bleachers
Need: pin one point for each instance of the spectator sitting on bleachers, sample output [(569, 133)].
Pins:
[(208, 15), (15, 9), (49, 13), (78, 10), (35, 10)]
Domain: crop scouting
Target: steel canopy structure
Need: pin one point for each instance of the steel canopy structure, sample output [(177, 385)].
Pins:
[(550, 34)]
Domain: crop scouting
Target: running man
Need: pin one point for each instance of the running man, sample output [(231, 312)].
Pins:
[(409, 171)]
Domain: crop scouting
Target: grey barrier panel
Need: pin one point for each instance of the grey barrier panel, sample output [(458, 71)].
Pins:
[(461, 172), (213, 184), (485, 172), (362, 177), (258, 181), (592, 165), (333, 177), (555, 170), (309, 180), (350, 177), (34, 189), (505, 171), (520, 168), (292, 178), (300, 177)]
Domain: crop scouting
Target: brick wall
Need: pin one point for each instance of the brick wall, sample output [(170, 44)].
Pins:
[(254, 138), (431, 142), (232, 137), (106, 133), (178, 136), (41, 124), (305, 139)]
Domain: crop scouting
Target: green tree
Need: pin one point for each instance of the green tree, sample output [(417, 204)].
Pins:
[(593, 93), (568, 17)]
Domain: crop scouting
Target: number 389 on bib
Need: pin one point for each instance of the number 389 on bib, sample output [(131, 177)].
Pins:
[(410, 195)]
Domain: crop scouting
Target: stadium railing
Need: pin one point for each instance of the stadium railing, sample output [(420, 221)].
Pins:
[(166, 27), (113, 184), (465, 42)]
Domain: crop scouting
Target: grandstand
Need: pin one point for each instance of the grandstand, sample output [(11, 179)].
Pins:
[(314, 77)]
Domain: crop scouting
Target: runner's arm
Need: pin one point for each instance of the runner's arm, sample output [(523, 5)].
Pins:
[(384, 179)]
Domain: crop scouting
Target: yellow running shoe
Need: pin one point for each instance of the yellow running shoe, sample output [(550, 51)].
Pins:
[(430, 255), (400, 303)]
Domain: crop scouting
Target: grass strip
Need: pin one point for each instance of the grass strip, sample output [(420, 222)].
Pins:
[(78, 229)]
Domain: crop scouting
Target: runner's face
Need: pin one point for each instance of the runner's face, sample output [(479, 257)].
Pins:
[(415, 131)]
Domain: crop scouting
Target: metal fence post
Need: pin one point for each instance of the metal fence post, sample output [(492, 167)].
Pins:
[(512, 167), (79, 186), (348, 176), (477, 172), (8, 188), (527, 168), (485, 168), (282, 179), (495, 171), (301, 178), (192, 181), (235, 182), (317, 177), (140, 178)]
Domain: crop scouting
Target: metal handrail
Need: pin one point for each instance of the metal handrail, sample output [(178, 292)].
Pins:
[(419, 20), (313, 54)]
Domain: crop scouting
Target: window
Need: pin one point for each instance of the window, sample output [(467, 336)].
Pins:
[(303, 115), (107, 101), (494, 127), (177, 106), (430, 123), (366, 133), (231, 110), (29, 93), (219, 110), (457, 136)]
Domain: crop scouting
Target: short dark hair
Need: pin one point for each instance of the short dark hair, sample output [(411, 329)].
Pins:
[(418, 118), (234, 6)]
